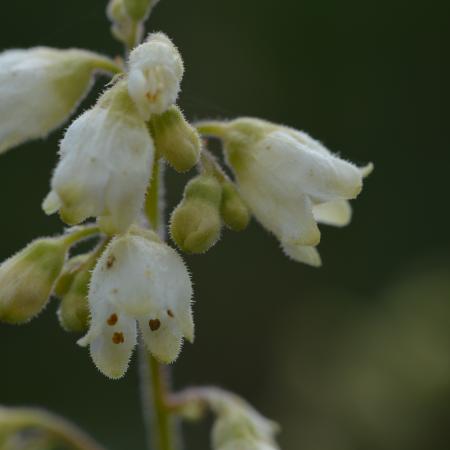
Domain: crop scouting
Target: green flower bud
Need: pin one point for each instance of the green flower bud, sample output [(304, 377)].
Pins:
[(122, 26), (67, 275), (175, 139), (73, 311), (234, 212), (138, 10), (195, 223), (27, 279)]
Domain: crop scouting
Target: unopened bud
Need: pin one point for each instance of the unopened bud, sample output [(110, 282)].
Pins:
[(65, 279), (175, 139), (73, 311), (72, 288), (138, 10), (195, 222), (123, 28), (234, 212), (27, 279)]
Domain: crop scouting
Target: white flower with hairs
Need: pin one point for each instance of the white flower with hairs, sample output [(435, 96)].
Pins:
[(138, 281), (238, 424), (105, 165), (155, 74), (291, 182), (40, 88)]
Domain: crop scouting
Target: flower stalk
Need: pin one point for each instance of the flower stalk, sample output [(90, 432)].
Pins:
[(18, 419), (155, 377)]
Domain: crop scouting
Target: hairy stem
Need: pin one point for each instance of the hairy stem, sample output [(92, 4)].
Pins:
[(155, 380), (80, 233), (212, 128)]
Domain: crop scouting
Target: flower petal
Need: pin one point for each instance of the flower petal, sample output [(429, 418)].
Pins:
[(162, 337), (303, 254), (113, 345), (337, 213)]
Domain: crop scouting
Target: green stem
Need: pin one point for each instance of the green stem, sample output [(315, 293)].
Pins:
[(214, 128), (13, 420), (153, 203), (79, 233), (155, 389), (107, 65)]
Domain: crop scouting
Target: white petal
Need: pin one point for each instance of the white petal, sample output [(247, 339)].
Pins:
[(165, 340), (112, 349), (289, 218), (367, 170), (301, 168), (303, 254), (338, 213), (105, 167), (39, 90), (112, 337)]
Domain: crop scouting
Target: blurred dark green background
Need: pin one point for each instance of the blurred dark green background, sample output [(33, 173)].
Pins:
[(353, 356)]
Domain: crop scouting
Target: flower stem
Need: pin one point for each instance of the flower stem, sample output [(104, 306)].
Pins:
[(155, 379), (13, 420), (80, 233), (214, 128)]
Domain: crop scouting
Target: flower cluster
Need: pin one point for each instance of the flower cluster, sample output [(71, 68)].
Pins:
[(131, 283)]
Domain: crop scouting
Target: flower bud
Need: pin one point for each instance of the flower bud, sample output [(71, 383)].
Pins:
[(235, 213), (27, 279), (41, 87), (138, 10), (123, 28), (175, 139), (195, 223), (65, 279), (72, 287)]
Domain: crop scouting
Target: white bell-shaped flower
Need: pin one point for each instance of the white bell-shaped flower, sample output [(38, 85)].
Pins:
[(246, 444), (238, 424), (40, 88), (289, 181), (105, 165), (141, 281), (155, 74)]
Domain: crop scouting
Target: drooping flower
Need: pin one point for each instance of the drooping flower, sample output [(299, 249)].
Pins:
[(138, 280), (290, 182), (155, 74), (238, 424), (41, 87), (105, 165)]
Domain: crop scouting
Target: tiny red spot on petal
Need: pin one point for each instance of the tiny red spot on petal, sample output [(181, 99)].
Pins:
[(154, 324)]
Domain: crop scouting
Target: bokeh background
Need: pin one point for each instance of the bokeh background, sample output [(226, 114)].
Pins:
[(353, 356)]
